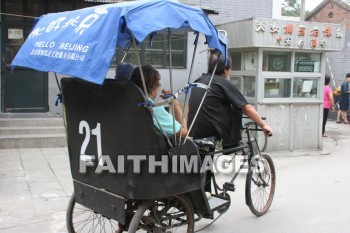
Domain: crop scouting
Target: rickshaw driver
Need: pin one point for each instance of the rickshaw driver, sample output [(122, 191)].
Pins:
[(221, 112), (152, 80)]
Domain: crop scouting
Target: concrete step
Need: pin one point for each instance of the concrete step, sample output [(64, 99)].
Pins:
[(32, 130), (32, 141), (30, 122)]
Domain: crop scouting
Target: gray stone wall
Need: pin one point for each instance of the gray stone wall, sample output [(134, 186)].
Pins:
[(231, 10), (339, 62)]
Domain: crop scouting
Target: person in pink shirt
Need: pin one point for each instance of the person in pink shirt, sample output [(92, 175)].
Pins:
[(328, 102)]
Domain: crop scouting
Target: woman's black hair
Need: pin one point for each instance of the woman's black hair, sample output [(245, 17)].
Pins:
[(327, 79), (151, 76)]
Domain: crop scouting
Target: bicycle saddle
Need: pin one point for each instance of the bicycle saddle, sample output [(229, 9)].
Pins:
[(206, 144)]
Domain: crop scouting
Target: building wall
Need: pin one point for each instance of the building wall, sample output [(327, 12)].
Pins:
[(339, 15), (289, 122), (235, 10), (1, 73), (338, 61)]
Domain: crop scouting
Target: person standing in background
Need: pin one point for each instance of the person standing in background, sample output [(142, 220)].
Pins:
[(344, 100), (328, 103)]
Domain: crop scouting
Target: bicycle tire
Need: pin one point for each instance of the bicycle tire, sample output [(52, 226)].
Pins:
[(259, 135), (260, 184), (82, 219), (163, 214)]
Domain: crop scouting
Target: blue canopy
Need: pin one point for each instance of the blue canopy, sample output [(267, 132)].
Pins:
[(82, 43)]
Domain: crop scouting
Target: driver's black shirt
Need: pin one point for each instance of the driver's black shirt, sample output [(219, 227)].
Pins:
[(220, 114)]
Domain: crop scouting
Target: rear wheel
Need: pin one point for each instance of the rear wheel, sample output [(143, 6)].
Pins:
[(260, 184), (82, 219), (170, 214)]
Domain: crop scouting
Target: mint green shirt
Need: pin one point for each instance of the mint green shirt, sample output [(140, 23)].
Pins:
[(165, 120)]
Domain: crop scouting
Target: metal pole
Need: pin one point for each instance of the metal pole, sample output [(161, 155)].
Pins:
[(302, 10), (205, 94), (126, 52), (330, 69), (144, 87), (188, 82), (171, 82)]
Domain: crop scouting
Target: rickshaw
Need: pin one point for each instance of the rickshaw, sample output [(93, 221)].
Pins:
[(126, 174)]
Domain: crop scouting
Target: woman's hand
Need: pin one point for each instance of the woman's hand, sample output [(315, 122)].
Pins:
[(164, 93)]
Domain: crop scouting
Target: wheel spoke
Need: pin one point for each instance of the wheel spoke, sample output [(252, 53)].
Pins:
[(166, 215), (84, 220), (260, 184)]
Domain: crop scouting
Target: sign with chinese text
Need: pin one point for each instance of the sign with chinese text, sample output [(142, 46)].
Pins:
[(273, 33)]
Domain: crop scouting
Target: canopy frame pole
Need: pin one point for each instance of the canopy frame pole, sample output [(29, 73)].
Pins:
[(188, 82), (58, 83), (202, 101), (145, 89), (126, 52), (171, 83)]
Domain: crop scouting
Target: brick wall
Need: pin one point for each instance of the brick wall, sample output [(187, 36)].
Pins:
[(339, 61), (332, 13), (230, 10)]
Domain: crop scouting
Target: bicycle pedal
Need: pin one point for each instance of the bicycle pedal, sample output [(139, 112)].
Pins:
[(229, 187)]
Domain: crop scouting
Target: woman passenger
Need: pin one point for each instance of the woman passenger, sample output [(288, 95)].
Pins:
[(152, 80)]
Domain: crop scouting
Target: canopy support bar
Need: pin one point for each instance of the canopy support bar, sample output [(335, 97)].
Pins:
[(188, 81), (171, 82), (145, 89), (205, 94), (126, 52)]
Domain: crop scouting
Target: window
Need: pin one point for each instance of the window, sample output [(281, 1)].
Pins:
[(14, 38), (36, 8), (13, 7), (236, 61), (59, 6), (250, 61), (157, 53), (249, 86), (245, 84), (282, 87), (305, 88), (307, 62), (277, 88), (237, 82), (277, 61)]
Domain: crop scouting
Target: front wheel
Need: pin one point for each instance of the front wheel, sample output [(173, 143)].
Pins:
[(169, 214), (260, 184), (82, 219), (257, 133)]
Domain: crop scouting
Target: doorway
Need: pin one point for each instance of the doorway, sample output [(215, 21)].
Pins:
[(23, 90)]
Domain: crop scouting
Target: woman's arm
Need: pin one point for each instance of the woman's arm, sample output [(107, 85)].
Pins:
[(330, 96), (178, 118), (178, 115)]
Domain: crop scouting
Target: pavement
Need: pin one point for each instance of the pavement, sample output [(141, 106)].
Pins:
[(35, 183)]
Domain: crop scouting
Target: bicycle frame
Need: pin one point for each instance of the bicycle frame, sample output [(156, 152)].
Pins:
[(253, 148)]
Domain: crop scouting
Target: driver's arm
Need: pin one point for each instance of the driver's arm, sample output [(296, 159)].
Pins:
[(254, 115)]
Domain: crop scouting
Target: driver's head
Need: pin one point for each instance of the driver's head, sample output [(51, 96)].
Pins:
[(222, 66)]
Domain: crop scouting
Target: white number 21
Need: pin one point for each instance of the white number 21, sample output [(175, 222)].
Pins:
[(97, 132)]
